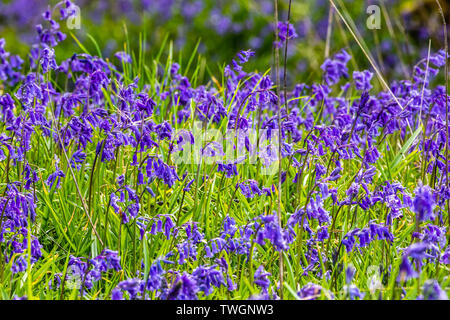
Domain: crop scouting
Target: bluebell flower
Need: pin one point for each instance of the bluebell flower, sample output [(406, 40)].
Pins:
[(433, 291), (123, 57), (362, 80), (349, 239), (310, 291), (207, 277), (132, 286), (229, 169), (322, 233), (78, 157), (48, 59), (424, 203), (353, 292), (446, 256), (261, 278), (116, 294), (168, 226), (55, 176), (406, 270), (285, 31), (336, 67), (19, 265), (244, 55), (349, 274), (185, 288), (353, 191), (418, 251)]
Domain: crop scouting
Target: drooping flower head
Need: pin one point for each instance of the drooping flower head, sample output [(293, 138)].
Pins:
[(424, 203), (261, 278), (362, 80), (123, 57), (285, 31), (336, 67), (433, 291)]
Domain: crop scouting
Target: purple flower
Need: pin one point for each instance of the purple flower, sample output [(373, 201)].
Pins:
[(168, 226), (353, 292), (285, 31), (116, 294), (123, 57), (207, 277), (120, 180), (438, 59), (174, 69), (406, 270), (48, 59), (261, 278), (107, 260), (185, 288), (336, 68), (187, 188), (131, 286), (157, 168), (311, 291), (433, 291), (229, 169), (78, 157), (446, 256), (349, 240), (245, 55), (55, 176), (418, 251), (322, 233), (54, 283), (362, 80), (424, 203), (242, 57), (19, 265), (349, 274), (353, 191)]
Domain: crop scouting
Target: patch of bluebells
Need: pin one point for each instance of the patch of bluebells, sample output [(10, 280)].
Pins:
[(184, 286), (81, 123), (83, 273)]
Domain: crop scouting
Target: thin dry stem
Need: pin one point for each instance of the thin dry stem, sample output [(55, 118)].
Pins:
[(277, 64)]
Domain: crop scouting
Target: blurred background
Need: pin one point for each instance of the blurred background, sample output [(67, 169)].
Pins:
[(217, 29)]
